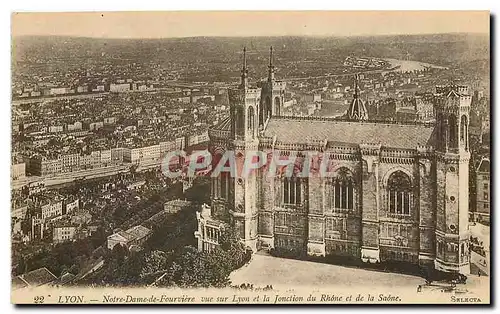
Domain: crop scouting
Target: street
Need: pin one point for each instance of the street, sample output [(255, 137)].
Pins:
[(70, 176)]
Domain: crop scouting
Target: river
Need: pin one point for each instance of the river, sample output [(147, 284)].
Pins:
[(410, 65)]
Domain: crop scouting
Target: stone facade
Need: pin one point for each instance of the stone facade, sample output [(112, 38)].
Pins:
[(483, 195), (396, 193)]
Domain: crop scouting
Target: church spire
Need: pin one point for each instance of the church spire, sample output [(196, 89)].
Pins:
[(271, 66), (356, 87), (244, 70), (357, 109)]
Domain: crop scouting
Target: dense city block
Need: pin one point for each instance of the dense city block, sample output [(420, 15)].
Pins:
[(406, 120)]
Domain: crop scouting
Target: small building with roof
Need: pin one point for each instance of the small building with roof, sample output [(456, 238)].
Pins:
[(136, 235), (35, 278), (175, 206)]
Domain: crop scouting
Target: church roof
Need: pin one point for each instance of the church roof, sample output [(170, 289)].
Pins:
[(296, 130)]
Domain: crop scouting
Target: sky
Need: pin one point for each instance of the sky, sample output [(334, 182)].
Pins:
[(248, 23)]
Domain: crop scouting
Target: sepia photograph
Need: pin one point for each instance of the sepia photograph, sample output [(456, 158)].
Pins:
[(250, 157)]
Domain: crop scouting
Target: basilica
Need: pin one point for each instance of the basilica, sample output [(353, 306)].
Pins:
[(399, 192)]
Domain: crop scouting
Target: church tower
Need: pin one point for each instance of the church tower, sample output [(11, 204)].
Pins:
[(273, 94), (357, 110), (452, 108), (244, 104), (270, 75)]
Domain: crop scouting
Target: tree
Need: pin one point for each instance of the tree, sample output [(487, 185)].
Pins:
[(22, 266), (199, 193), (220, 264), (230, 243), (98, 237), (130, 270), (155, 262), (228, 237), (190, 270), (133, 169), (118, 253), (121, 268)]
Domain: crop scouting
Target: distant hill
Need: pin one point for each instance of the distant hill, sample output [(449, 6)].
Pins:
[(439, 48), (219, 58)]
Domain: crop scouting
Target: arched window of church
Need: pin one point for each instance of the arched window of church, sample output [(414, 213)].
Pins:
[(240, 121), (277, 105), (463, 130), (251, 118), (343, 190), (224, 185), (452, 125), (292, 191), (441, 129), (399, 193)]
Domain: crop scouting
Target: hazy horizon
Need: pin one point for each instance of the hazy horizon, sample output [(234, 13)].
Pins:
[(250, 36), (232, 24)]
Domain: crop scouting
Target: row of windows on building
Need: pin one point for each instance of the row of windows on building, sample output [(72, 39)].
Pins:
[(335, 248), (340, 225), (283, 219), (212, 234), (393, 255), (343, 194), (209, 247), (331, 247), (400, 197), (289, 243), (353, 250), (387, 230), (396, 230)]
